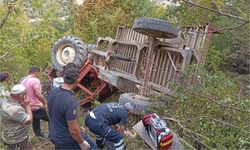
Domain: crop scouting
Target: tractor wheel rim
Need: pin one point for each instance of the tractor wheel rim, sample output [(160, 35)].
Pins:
[(66, 55)]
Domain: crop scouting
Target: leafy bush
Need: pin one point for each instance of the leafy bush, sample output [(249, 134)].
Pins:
[(214, 113)]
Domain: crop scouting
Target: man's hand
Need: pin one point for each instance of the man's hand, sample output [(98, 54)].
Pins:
[(116, 127), (46, 108), (83, 129), (130, 134), (25, 102), (85, 145)]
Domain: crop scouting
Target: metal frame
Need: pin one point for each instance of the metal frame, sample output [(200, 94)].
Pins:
[(151, 63), (100, 85), (137, 63)]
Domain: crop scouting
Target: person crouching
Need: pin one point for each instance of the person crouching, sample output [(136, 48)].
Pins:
[(107, 122)]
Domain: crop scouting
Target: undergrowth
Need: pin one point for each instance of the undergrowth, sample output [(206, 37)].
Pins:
[(209, 110)]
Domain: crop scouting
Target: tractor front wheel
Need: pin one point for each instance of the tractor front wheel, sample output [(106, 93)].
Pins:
[(68, 49)]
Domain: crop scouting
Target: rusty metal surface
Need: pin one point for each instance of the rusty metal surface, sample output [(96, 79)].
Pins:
[(169, 57), (148, 66), (89, 69)]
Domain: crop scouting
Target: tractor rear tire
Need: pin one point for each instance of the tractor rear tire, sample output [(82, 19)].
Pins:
[(155, 27), (69, 49), (140, 106)]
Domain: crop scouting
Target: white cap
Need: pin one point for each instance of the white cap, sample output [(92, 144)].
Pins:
[(17, 89), (129, 106), (57, 82)]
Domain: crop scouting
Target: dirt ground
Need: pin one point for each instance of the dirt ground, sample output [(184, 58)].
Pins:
[(38, 143), (131, 144), (41, 144)]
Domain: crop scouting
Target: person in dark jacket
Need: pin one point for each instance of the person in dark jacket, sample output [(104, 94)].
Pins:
[(108, 122)]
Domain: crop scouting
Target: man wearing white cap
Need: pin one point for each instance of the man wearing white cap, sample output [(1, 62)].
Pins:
[(16, 117)]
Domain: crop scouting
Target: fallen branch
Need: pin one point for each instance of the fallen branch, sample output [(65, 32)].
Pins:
[(212, 99), (216, 120), (186, 143), (239, 94), (217, 11), (198, 141), (184, 128)]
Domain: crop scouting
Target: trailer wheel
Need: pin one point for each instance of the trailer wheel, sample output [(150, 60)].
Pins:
[(155, 27), (68, 49), (140, 106)]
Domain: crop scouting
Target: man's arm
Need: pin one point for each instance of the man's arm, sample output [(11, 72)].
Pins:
[(121, 129), (30, 116), (38, 93), (124, 132), (24, 115), (76, 134), (26, 105), (123, 122)]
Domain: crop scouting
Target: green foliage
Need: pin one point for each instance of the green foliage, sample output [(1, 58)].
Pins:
[(232, 43), (25, 43), (214, 59), (212, 113), (101, 19), (201, 106)]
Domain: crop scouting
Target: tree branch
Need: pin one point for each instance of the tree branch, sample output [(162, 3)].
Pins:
[(18, 45), (189, 146), (184, 128), (191, 136), (209, 97), (231, 27), (217, 11), (4, 55), (239, 94), (5, 17), (216, 120), (9, 52)]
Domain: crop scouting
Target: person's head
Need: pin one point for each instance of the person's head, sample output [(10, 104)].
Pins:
[(129, 107), (34, 71), (70, 76), (4, 76), (18, 92), (69, 65)]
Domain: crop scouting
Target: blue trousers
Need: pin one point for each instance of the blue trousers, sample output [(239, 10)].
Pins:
[(104, 132), (74, 145)]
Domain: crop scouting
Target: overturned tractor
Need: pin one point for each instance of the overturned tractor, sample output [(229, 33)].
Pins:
[(139, 61)]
